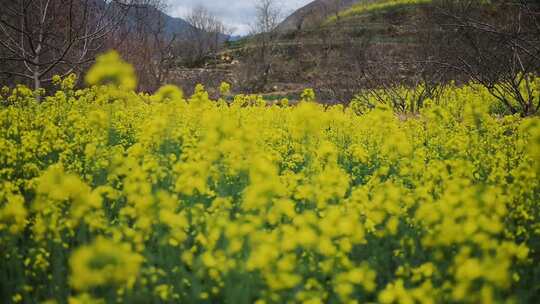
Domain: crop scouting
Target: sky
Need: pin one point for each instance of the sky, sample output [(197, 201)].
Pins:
[(238, 14)]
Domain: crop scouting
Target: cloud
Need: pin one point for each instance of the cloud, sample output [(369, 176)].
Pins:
[(238, 14)]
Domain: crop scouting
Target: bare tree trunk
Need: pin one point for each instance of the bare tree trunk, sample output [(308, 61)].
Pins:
[(37, 81)]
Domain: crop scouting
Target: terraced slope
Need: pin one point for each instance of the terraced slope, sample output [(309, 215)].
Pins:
[(315, 13)]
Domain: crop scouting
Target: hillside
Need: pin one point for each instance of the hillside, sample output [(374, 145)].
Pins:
[(375, 7), (323, 43), (314, 13), (345, 47), (329, 11)]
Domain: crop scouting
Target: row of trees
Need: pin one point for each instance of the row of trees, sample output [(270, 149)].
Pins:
[(42, 38)]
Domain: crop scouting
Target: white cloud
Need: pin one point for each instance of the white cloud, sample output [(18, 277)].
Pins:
[(238, 14)]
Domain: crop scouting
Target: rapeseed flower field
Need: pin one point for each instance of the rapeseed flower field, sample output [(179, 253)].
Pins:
[(113, 196)]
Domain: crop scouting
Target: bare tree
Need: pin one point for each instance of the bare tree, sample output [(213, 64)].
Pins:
[(496, 45), (258, 65), (165, 53), (146, 41), (267, 18), (39, 38), (204, 37)]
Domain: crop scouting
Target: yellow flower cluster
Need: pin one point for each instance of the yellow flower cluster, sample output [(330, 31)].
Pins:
[(103, 263), (109, 196), (111, 70)]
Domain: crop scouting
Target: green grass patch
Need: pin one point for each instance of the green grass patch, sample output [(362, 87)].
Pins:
[(376, 7)]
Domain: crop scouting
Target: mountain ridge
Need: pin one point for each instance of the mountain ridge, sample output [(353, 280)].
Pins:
[(154, 17), (314, 13)]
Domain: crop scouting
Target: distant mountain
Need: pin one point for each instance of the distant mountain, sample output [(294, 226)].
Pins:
[(236, 37), (153, 18), (314, 13), (174, 24)]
